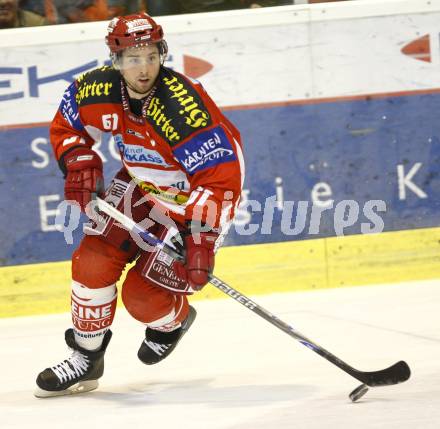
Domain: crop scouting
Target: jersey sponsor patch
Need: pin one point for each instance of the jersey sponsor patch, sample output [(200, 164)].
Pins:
[(69, 108), (139, 154), (98, 86), (170, 195), (158, 268), (177, 110), (205, 150)]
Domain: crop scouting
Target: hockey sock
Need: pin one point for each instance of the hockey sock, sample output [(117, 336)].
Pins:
[(93, 311)]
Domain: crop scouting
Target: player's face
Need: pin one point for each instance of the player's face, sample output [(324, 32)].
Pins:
[(140, 68)]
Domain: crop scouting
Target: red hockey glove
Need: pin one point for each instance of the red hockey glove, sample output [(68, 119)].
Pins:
[(199, 261), (84, 178)]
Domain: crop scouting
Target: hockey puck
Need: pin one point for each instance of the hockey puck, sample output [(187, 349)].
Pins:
[(358, 392)]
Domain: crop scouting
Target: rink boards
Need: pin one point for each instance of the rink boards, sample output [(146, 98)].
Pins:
[(257, 269), (341, 138), (313, 170)]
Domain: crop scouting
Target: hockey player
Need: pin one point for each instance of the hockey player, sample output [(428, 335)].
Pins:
[(181, 176)]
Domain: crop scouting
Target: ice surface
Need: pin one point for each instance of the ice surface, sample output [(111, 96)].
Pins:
[(234, 370)]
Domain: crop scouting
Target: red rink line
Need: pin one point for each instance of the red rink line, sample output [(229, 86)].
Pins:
[(333, 99), (280, 104), (15, 126)]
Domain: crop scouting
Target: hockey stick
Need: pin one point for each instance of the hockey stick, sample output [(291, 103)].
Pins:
[(397, 373)]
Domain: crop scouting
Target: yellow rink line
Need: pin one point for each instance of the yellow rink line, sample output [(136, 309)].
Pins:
[(257, 269)]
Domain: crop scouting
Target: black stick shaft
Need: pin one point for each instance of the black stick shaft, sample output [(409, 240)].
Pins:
[(397, 373), (274, 320)]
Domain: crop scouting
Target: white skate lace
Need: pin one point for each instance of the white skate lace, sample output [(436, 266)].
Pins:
[(159, 349), (73, 367)]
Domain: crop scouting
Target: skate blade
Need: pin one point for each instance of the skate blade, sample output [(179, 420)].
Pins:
[(81, 387)]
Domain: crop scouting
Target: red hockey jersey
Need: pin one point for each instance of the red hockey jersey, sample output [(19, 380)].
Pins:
[(182, 151)]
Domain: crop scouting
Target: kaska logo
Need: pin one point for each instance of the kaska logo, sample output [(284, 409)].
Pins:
[(419, 49)]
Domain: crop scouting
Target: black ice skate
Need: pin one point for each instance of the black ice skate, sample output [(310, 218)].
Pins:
[(158, 345), (77, 374)]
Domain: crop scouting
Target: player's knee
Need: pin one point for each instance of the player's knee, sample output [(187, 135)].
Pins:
[(96, 263), (150, 304)]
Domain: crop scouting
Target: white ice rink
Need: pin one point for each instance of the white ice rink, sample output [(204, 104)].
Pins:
[(234, 370)]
